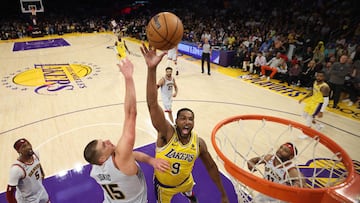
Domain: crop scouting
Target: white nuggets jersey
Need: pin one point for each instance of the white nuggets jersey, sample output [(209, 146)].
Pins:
[(167, 92), (28, 181), (277, 174), (118, 187)]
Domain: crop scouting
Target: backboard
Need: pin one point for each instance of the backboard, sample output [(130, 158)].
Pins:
[(28, 5)]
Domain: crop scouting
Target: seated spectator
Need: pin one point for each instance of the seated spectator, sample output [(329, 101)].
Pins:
[(276, 64), (293, 74), (248, 63), (265, 46), (260, 60), (284, 56), (282, 72), (340, 50), (307, 56), (245, 60), (231, 41), (307, 76), (239, 56)]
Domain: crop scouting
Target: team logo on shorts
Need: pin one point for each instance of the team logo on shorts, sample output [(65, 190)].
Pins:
[(52, 79)]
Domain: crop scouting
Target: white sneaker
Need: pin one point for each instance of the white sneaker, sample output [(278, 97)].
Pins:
[(262, 77), (268, 78), (350, 103), (247, 76), (319, 126), (345, 100)]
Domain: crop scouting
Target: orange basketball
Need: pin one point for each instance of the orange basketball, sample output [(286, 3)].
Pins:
[(164, 31)]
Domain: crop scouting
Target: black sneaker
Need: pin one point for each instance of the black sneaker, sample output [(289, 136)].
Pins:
[(177, 72)]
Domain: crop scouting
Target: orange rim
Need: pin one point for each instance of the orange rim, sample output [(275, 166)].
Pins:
[(279, 191)]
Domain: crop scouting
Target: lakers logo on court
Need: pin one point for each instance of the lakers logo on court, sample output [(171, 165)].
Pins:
[(52, 79)]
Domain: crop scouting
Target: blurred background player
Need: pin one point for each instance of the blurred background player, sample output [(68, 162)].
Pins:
[(168, 90), (115, 167), (121, 48), (26, 176), (319, 100), (172, 55)]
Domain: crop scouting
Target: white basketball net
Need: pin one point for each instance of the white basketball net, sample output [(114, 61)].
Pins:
[(242, 140)]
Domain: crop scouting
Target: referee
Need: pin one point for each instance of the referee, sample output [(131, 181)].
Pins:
[(206, 55)]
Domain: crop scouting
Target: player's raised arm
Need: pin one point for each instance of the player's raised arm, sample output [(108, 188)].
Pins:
[(156, 112), (123, 152), (297, 178)]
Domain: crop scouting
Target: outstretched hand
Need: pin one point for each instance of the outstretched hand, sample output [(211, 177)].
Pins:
[(151, 59), (126, 67), (250, 166), (160, 164)]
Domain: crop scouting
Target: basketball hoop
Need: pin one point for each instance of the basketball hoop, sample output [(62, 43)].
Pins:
[(237, 139)]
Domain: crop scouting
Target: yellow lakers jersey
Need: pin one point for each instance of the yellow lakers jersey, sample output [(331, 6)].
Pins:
[(314, 105), (120, 49), (181, 158), (317, 95)]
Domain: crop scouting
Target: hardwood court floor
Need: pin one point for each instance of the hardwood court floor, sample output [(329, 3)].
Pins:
[(60, 119)]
